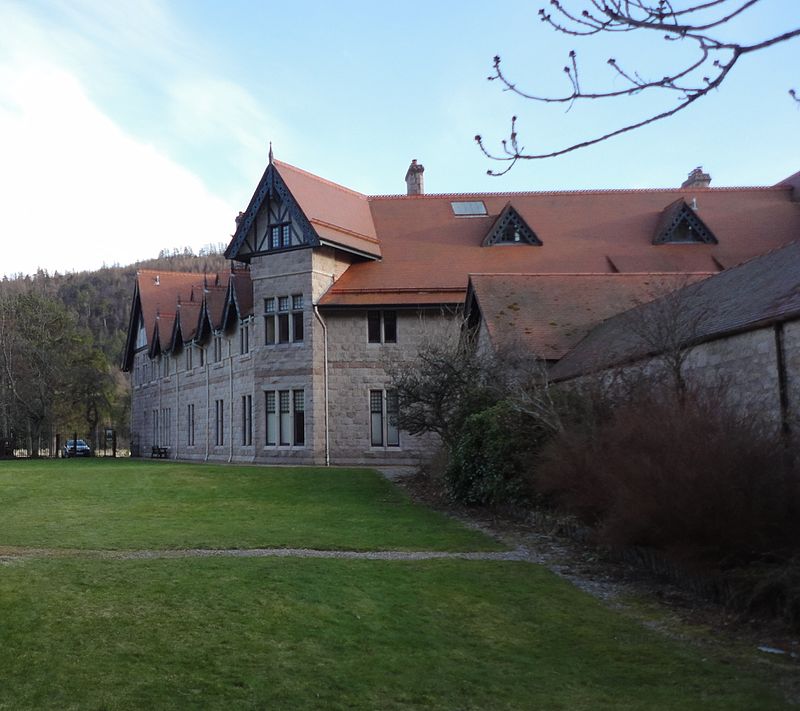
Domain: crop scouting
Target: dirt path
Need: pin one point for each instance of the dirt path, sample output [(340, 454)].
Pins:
[(8, 554)]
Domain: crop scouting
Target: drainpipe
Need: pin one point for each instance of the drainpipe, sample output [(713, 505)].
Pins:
[(325, 381), (208, 410), (177, 407), (230, 409)]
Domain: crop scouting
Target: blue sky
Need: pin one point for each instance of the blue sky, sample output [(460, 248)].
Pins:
[(128, 127)]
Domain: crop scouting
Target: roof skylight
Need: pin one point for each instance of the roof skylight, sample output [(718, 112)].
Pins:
[(468, 208)]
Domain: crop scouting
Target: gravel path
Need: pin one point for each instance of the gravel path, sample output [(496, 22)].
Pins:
[(9, 555)]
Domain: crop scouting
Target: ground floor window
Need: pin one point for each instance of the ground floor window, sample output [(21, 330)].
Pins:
[(219, 422), (247, 420), (165, 428), (383, 411), (190, 425), (286, 424)]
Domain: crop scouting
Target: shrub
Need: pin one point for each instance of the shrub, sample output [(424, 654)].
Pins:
[(694, 480), (491, 461)]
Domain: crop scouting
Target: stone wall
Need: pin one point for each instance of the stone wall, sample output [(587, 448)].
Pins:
[(355, 367), (743, 369)]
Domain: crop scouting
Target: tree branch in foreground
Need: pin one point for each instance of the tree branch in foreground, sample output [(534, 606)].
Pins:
[(711, 62)]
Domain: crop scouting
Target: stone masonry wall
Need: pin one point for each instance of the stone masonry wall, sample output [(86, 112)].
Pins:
[(356, 367), (742, 368)]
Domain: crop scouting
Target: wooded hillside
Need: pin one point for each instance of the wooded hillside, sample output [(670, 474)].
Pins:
[(61, 340)]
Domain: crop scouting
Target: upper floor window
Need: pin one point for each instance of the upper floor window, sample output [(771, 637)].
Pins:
[(280, 236), (382, 326), (283, 319), (217, 349), (189, 357), (244, 337)]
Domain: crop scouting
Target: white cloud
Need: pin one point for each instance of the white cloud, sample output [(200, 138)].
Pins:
[(78, 191)]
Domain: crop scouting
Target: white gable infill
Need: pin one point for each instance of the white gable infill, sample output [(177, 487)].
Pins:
[(272, 222)]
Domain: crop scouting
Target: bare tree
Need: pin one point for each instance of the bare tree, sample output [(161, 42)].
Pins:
[(698, 25), (668, 326), (440, 388)]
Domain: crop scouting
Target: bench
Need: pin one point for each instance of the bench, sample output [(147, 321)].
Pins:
[(159, 453)]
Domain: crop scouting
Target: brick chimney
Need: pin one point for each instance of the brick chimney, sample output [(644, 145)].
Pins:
[(697, 179), (414, 182)]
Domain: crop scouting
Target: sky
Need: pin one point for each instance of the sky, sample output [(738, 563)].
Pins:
[(128, 127)]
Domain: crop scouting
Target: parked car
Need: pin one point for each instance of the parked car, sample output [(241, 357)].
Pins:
[(76, 448)]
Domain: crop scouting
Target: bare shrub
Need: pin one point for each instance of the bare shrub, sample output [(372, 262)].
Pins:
[(693, 479)]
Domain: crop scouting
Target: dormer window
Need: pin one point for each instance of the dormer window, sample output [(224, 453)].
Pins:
[(680, 224), (510, 228)]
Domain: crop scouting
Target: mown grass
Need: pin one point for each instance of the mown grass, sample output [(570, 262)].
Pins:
[(127, 504), (78, 632), (335, 634)]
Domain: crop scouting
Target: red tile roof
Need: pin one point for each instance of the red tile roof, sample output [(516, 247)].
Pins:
[(426, 247), (166, 297), (761, 291), (339, 215), (159, 293), (549, 313)]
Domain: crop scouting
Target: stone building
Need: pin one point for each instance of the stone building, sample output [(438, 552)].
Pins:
[(738, 333), (288, 357)]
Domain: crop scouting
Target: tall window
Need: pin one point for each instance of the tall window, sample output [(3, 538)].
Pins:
[(297, 317), (189, 357), (244, 337), (190, 425), (382, 326), (272, 418), (383, 413), (283, 319), (217, 349), (219, 422), (299, 398), (269, 320), (155, 428), (286, 417), (247, 420), (165, 434)]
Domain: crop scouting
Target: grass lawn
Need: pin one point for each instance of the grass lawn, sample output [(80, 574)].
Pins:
[(335, 634), (77, 632), (129, 504)]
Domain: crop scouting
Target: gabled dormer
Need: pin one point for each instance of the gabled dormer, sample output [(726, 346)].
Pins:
[(510, 228), (273, 221), (680, 224)]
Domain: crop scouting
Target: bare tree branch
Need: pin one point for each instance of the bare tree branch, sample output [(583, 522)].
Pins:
[(713, 58)]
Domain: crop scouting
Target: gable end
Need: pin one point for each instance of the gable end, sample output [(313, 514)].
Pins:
[(254, 234)]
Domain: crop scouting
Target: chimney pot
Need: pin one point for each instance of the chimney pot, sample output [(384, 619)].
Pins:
[(697, 179), (414, 180)]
